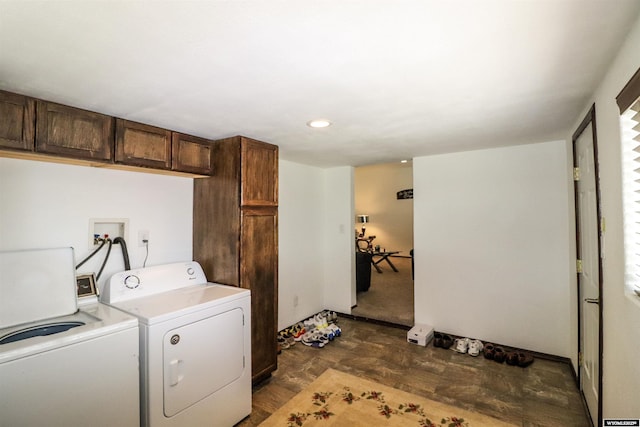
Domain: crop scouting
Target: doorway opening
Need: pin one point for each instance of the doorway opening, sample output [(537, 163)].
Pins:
[(383, 196)]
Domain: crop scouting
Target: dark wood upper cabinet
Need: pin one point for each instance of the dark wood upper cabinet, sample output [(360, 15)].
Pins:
[(73, 132), (138, 144), (34, 125), (191, 154), (259, 173), (18, 123)]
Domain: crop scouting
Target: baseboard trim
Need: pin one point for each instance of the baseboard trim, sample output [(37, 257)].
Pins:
[(575, 374), (374, 321)]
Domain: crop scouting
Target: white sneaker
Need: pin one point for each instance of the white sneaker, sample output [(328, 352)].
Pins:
[(475, 347), (460, 345)]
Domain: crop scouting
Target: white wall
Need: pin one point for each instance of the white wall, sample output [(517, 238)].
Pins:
[(316, 245), (375, 195), (492, 254), (621, 323), (49, 205), (301, 216), (338, 251)]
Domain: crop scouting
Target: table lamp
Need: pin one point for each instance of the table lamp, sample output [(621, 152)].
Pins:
[(363, 219)]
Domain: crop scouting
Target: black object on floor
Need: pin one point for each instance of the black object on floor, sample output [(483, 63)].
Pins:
[(363, 271), (412, 265)]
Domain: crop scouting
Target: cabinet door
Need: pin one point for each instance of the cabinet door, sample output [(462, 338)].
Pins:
[(72, 132), (17, 121), (191, 154), (259, 273), (259, 173), (138, 144)]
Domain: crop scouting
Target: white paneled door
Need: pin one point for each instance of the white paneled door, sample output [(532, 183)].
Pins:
[(588, 229)]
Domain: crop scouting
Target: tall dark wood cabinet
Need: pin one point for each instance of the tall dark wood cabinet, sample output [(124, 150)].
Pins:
[(235, 235)]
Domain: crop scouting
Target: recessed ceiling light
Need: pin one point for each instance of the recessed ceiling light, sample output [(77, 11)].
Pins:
[(403, 161), (319, 123)]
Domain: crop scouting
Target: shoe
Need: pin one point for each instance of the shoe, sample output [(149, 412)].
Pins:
[(286, 338), (309, 324), (299, 332), (282, 343), (335, 329), (475, 347), (437, 339), (447, 341), (499, 354), (314, 339), (321, 321), (331, 316), (461, 345), (489, 351), (512, 358), (524, 360), (327, 334)]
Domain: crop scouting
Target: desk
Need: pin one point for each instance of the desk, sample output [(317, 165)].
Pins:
[(384, 256)]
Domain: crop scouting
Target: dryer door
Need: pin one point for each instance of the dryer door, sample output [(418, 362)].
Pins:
[(202, 357)]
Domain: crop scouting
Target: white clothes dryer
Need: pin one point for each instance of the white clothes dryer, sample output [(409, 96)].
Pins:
[(195, 344)]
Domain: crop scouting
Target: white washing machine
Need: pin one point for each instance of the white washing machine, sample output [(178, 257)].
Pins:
[(195, 344), (60, 365)]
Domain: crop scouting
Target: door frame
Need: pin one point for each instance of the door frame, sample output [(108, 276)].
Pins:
[(589, 119)]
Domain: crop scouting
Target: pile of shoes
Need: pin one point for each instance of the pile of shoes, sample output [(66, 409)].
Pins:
[(470, 346), (473, 347), (513, 358), (316, 331)]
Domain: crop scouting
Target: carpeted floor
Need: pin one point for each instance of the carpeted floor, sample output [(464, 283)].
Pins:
[(390, 297)]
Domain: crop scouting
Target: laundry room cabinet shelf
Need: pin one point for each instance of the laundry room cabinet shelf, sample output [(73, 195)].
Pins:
[(235, 235)]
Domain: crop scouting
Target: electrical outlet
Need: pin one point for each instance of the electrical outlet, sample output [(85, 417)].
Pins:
[(143, 235)]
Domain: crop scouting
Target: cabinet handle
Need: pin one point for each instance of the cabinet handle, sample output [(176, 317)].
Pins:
[(592, 300)]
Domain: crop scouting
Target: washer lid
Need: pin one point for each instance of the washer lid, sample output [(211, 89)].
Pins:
[(36, 284), (98, 320), (168, 305)]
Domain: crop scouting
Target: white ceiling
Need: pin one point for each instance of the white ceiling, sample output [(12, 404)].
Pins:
[(398, 78)]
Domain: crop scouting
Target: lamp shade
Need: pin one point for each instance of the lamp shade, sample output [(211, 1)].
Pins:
[(363, 219)]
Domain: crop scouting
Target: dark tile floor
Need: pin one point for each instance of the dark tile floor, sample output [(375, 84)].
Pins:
[(543, 394)]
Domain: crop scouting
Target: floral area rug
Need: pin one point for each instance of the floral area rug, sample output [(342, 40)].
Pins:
[(339, 399)]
